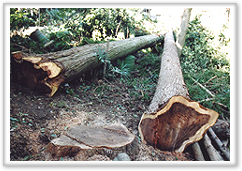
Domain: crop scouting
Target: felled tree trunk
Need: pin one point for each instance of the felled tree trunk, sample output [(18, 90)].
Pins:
[(45, 72), (173, 121)]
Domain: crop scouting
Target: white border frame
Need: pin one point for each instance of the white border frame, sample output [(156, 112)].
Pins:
[(233, 87)]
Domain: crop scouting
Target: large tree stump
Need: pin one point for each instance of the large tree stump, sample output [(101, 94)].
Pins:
[(45, 72), (84, 141)]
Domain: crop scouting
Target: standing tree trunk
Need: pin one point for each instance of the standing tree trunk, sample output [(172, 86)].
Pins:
[(181, 36), (45, 72)]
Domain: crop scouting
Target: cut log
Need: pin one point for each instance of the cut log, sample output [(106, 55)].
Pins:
[(173, 121), (179, 123), (45, 72), (97, 137)]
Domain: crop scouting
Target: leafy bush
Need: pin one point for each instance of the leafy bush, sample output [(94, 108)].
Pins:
[(19, 43), (71, 27), (22, 18)]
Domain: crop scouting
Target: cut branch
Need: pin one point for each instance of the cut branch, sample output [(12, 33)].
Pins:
[(219, 143), (204, 88), (208, 91), (213, 153), (197, 152), (45, 72)]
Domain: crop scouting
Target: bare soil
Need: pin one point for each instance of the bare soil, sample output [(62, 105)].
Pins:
[(36, 119)]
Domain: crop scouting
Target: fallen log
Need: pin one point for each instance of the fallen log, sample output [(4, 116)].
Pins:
[(173, 121), (46, 72)]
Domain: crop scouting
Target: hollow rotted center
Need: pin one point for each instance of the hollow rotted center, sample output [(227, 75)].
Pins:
[(171, 128)]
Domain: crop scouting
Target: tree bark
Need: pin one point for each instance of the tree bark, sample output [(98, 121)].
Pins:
[(171, 82), (45, 72)]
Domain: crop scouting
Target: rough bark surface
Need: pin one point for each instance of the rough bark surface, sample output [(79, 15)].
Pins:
[(45, 72), (171, 80)]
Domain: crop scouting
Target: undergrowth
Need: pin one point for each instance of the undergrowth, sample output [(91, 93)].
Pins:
[(204, 60)]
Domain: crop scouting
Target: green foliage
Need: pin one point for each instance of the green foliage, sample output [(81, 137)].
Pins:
[(203, 59), (200, 52), (19, 43), (149, 66), (22, 18), (71, 27), (143, 87), (123, 70)]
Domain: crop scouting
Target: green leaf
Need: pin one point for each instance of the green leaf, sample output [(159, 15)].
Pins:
[(14, 119)]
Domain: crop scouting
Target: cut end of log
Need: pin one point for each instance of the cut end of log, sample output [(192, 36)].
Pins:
[(179, 123), (51, 68), (32, 59), (36, 72)]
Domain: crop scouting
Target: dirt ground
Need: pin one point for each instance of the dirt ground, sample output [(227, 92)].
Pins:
[(36, 119)]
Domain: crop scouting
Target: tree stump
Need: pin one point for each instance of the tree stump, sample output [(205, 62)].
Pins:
[(84, 141)]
